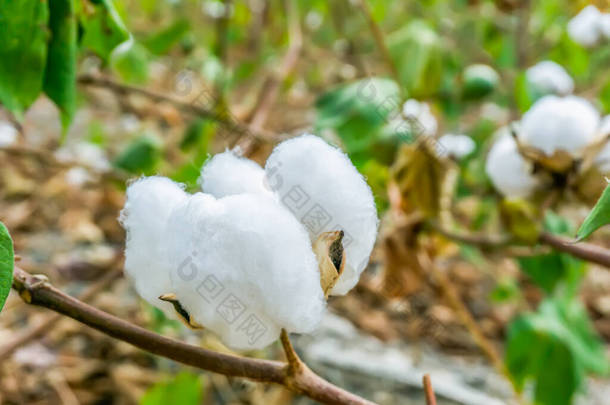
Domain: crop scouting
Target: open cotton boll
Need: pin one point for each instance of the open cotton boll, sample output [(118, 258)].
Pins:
[(321, 187), (243, 267), (150, 201), (552, 124), (509, 172), (420, 112), (548, 77), (456, 146), (8, 134), (584, 28), (228, 173), (604, 25)]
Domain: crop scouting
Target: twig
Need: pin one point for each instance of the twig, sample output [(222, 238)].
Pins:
[(296, 365), (189, 108), (586, 251), (478, 239), (379, 38), (41, 293), (51, 320), (430, 397), (451, 295)]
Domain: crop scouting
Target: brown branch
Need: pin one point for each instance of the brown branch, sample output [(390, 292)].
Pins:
[(295, 363), (586, 251), (51, 320), (37, 291), (430, 397), (186, 107)]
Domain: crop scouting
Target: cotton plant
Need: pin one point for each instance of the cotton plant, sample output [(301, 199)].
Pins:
[(589, 27), (560, 130), (259, 249), (419, 112), (548, 77), (510, 173), (456, 146)]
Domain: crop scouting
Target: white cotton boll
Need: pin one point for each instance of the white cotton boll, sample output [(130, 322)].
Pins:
[(554, 123), (243, 267), (228, 174), (457, 146), (148, 206), (322, 188), (420, 112), (86, 154), (509, 172), (549, 77), (8, 134), (584, 28)]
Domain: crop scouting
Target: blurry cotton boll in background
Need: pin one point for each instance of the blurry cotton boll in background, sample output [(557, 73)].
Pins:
[(243, 267), (228, 173), (149, 204), (8, 134), (548, 77), (604, 25), (457, 146), (86, 154), (321, 187), (509, 172), (584, 28), (553, 124), (78, 176), (420, 117)]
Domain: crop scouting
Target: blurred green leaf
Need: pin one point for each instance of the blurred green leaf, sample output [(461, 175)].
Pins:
[(198, 133), (604, 97), (162, 41), (141, 156), (130, 61), (598, 217), (521, 219), (554, 348), (7, 261), (60, 72), (103, 27), (479, 81), (417, 52), (184, 389), (23, 52)]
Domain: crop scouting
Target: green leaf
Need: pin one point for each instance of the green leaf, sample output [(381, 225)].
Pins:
[(141, 156), (417, 52), (60, 72), (598, 217), (103, 27), (130, 61), (162, 41), (7, 261), (198, 133), (554, 347), (184, 389), (23, 52)]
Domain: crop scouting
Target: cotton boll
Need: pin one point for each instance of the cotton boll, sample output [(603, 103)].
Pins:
[(548, 77), (323, 189), (420, 112), (509, 172), (584, 28), (243, 267), (554, 124), (457, 146), (149, 204), (228, 173)]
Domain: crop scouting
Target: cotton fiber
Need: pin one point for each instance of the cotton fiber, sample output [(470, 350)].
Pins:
[(228, 173), (457, 146), (509, 172), (322, 188), (149, 204), (548, 77), (419, 112), (553, 123), (243, 267), (584, 28)]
